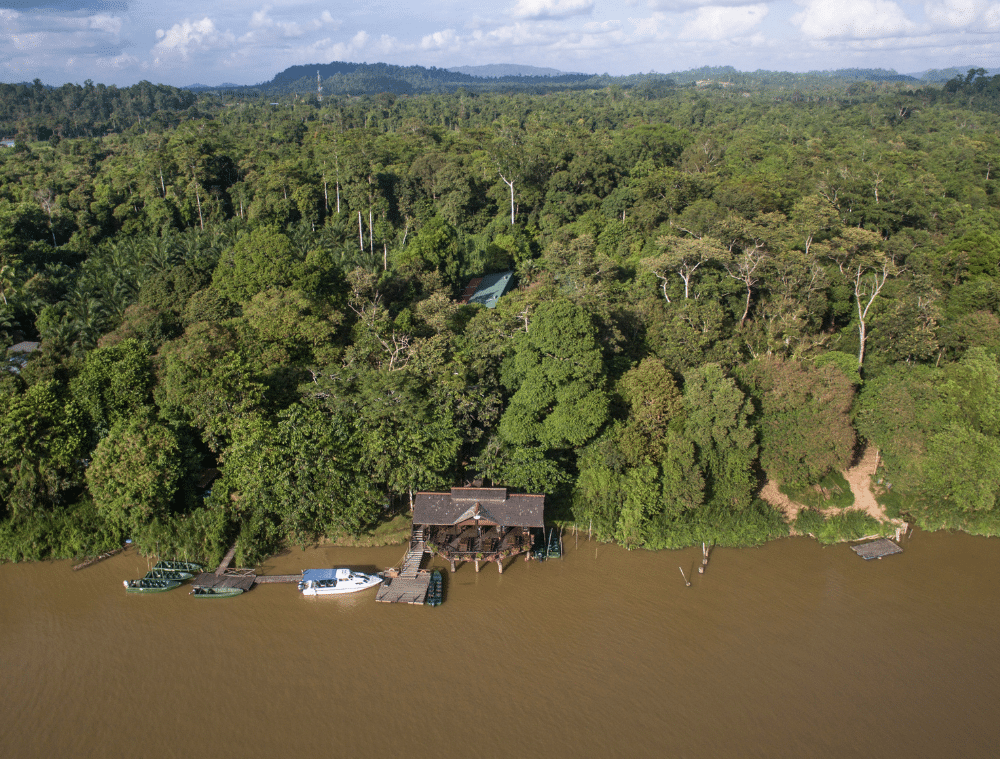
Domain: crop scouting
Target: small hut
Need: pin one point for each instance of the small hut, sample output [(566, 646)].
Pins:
[(477, 524)]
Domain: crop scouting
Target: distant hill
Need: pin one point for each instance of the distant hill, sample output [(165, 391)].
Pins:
[(497, 70), (944, 75), (223, 86), (346, 78)]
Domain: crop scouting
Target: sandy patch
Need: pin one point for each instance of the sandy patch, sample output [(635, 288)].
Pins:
[(859, 477)]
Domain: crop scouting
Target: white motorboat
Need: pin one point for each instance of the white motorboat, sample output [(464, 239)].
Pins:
[(332, 582)]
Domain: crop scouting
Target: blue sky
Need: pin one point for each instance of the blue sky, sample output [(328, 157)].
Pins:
[(124, 41)]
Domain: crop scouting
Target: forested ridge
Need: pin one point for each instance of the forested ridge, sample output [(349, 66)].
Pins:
[(249, 323)]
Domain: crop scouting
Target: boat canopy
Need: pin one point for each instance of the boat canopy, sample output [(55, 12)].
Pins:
[(325, 574)]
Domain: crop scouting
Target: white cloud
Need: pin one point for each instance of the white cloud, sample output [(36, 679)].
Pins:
[(715, 23), (852, 19), (109, 24), (992, 17), (446, 38), (953, 13), (543, 9), (679, 6), (190, 36)]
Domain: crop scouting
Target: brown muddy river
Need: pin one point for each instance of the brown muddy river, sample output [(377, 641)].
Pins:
[(792, 650)]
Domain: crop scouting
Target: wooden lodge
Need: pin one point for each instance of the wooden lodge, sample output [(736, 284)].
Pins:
[(477, 524)]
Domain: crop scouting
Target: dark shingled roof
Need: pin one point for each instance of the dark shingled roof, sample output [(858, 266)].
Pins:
[(25, 347), (495, 506)]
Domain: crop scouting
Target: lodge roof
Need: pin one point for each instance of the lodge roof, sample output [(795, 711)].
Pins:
[(483, 505), (488, 289), (26, 347)]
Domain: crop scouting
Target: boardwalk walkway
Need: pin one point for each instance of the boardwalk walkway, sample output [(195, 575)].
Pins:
[(226, 560), (410, 585)]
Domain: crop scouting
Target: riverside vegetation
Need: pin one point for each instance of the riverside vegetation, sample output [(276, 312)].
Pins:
[(249, 328)]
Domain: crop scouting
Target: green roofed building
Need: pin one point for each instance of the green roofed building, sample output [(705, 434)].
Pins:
[(487, 290)]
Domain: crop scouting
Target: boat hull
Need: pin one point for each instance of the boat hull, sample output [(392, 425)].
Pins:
[(178, 566), (342, 582), (150, 586), (216, 592)]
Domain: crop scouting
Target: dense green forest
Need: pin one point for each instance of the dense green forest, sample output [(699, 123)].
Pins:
[(249, 326)]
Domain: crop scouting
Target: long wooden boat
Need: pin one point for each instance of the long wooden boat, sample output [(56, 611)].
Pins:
[(434, 593), (147, 585), (215, 592), (180, 566), (168, 574)]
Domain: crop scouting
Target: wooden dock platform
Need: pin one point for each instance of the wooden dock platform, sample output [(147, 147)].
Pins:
[(265, 579), (405, 590), (409, 585), (876, 549)]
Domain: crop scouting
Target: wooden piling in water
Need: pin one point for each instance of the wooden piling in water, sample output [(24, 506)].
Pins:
[(686, 581)]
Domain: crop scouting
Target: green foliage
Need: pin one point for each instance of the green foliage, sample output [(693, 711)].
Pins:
[(840, 527), (114, 383), (657, 231), (831, 492), (138, 471), (556, 372), (805, 425), (42, 441), (717, 422)]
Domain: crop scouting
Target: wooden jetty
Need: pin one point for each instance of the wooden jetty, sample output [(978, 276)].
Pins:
[(267, 579), (876, 549), (405, 590), (409, 584)]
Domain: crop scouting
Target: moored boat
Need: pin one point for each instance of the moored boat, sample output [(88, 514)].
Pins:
[(434, 592), (168, 574), (149, 585), (332, 582), (215, 592), (180, 566)]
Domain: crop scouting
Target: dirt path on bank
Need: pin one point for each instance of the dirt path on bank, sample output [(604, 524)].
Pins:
[(859, 477)]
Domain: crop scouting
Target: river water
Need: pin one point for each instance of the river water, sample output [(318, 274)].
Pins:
[(790, 650)]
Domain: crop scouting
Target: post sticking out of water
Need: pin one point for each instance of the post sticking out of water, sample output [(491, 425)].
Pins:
[(704, 558), (686, 582)]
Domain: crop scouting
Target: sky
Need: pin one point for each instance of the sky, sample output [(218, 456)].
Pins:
[(187, 42)]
